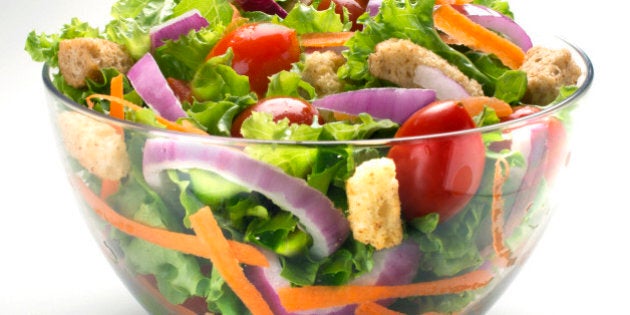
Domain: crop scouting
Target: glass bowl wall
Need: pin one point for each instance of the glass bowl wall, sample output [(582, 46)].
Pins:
[(494, 233)]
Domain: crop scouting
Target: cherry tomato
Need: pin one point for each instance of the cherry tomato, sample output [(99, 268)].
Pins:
[(181, 89), (355, 9), (442, 174), (260, 50), (558, 152), (296, 110)]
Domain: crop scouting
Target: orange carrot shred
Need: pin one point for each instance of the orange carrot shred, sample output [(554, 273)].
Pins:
[(475, 104), (321, 40), (313, 297), (169, 124), (208, 230), (185, 243), (109, 187), (116, 109), (501, 174), (471, 34), (371, 308)]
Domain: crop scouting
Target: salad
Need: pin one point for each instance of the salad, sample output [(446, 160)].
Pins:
[(302, 189)]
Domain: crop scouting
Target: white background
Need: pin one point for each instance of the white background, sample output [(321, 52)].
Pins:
[(49, 263)]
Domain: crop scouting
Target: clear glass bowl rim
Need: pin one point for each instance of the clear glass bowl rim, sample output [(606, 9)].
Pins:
[(546, 111)]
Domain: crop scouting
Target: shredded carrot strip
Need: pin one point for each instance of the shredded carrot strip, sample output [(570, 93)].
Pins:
[(471, 34), (169, 124), (185, 243), (475, 104), (320, 40), (208, 230), (109, 187), (501, 173), (371, 308), (116, 109), (313, 297)]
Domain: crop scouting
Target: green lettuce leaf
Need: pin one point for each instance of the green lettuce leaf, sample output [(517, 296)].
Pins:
[(289, 84), (146, 13), (216, 79), (178, 275), (181, 58), (217, 117), (129, 33), (217, 12), (132, 20), (221, 299), (511, 86), (306, 19)]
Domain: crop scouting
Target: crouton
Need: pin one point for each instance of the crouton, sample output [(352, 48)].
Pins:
[(83, 58), (548, 70), (396, 60), (374, 204), (320, 70), (97, 146)]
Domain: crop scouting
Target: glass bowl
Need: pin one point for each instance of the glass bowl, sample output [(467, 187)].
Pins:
[(204, 224)]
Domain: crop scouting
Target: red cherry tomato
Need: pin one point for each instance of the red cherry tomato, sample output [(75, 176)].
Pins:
[(260, 50), (355, 9), (558, 152), (181, 89), (442, 174), (296, 110)]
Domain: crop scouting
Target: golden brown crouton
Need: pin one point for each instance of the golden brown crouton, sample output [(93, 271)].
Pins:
[(548, 70), (374, 204), (82, 58), (97, 146), (398, 61), (320, 70)]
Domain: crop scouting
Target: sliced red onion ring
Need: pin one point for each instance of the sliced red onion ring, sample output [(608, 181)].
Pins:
[(396, 104), (145, 76), (270, 7), (176, 27), (317, 215), (374, 6), (433, 78), (497, 22), (531, 142)]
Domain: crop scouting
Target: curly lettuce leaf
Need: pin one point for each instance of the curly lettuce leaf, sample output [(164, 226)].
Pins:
[(217, 12), (181, 58), (132, 20), (129, 33), (306, 19), (350, 261), (216, 79), (289, 84), (146, 13)]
